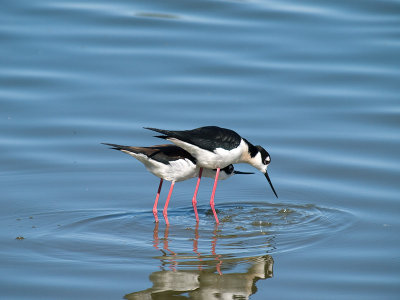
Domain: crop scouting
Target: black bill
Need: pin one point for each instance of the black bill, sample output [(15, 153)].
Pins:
[(239, 172), (270, 183)]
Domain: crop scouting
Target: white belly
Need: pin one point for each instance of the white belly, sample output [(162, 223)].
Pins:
[(177, 170), (219, 158)]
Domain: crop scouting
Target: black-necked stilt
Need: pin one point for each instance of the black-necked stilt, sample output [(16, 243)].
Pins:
[(215, 147), (172, 163)]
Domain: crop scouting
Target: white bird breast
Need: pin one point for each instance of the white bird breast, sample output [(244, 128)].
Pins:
[(219, 158)]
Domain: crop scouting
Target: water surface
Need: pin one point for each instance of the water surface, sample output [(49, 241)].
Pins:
[(315, 83)]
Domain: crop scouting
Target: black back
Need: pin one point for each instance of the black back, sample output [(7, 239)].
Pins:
[(208, 137)]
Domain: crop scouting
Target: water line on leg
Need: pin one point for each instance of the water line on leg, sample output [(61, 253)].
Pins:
[(213, 195), (165, 213), (156, 201), (194, 200)]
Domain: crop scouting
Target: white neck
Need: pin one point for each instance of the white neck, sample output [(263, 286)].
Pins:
[(255, 161)]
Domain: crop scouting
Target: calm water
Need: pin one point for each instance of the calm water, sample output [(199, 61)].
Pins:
[(316, 83)]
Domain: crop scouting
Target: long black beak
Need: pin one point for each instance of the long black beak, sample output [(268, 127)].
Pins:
[(270, 183), (239, 172)]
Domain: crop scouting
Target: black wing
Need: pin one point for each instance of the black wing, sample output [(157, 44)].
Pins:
[(208, 138), (168, 152), (161, 153)]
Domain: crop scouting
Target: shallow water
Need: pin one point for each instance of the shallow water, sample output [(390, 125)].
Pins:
[(316, 84)]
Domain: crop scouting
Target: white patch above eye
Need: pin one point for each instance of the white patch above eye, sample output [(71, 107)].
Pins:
[(268, 158)]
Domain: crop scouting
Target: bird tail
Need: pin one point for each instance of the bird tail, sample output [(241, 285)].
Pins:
[(120, 147), (161, 136), (165, 132), (148, 151)]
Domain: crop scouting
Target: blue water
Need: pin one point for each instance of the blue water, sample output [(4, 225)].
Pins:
[(316, 83)]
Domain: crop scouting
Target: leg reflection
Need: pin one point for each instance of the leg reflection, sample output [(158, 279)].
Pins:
[(155, 236), (173, 261), (196, 245), (190, 282), (213, 246)]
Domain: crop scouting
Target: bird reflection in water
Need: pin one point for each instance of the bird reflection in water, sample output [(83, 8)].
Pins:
[(202, 276)]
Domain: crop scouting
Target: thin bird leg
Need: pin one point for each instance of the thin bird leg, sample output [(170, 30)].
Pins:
[(194, 201), (213, 194), (156, 202), (165, 213)]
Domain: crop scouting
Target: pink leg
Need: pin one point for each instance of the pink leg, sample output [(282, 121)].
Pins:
[(213, 194), (194, 201), (156, 202), (167, 202)]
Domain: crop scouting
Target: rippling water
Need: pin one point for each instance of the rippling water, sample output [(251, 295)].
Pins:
[(315, 83)]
